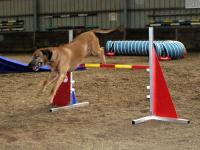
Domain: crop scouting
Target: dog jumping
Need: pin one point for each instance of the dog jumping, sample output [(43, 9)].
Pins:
[(67, 57)]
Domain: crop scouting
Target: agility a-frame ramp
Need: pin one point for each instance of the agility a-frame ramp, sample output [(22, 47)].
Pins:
[(8, 65), (161, 104)]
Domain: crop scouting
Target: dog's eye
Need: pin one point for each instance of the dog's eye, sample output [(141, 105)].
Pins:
[(35, 57)]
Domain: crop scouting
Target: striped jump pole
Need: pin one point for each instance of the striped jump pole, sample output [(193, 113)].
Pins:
[(115, 66)]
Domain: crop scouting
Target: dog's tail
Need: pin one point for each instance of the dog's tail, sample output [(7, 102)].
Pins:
[(106, 31)]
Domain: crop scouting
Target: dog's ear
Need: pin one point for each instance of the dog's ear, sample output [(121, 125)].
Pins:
[(48, 53)]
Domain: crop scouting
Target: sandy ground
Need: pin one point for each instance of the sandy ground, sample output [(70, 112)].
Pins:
[(116, 97)]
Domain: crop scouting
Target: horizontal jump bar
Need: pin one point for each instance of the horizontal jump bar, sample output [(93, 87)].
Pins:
[(117, 66)]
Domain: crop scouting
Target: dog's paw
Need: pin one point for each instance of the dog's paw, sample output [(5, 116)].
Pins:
[(51, 105), (51, 101)]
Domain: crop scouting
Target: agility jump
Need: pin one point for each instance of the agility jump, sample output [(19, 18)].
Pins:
[(161, 105), (65, 97)]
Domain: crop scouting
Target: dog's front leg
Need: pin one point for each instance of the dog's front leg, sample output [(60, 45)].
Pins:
[(50, 79), (61, 78)]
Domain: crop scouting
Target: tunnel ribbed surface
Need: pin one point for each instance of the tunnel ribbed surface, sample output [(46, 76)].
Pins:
[(174, 49)]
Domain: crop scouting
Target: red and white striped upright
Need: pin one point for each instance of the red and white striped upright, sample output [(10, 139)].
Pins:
[(161, 105)]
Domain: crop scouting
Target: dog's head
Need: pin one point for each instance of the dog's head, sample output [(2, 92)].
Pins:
[(40, 58)]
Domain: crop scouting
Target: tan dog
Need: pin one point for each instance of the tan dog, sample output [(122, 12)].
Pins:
[(67, 57)]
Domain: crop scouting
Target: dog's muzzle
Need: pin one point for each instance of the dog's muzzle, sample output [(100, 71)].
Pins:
[(35, 66)]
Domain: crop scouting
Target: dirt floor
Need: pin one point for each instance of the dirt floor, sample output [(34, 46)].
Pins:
[(115, 96)]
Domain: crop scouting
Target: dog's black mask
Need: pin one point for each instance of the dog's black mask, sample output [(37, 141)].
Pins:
[(47, 53)]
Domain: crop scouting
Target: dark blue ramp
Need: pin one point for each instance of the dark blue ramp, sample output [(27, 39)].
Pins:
[(8, 65)]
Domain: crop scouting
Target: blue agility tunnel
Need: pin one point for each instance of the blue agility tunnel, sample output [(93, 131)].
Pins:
[(173, 49)]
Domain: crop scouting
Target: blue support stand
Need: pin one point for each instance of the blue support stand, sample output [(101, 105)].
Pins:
[(73, 97)]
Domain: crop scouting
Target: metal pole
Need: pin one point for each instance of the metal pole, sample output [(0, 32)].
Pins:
[(35, 17), (72, 89), (151, 68), (70, 33), (176, 34), (34, 41), (125, 17), (35, 21)]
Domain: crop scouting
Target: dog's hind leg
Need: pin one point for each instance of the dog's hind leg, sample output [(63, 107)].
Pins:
[(97, 50), (102, 55)]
